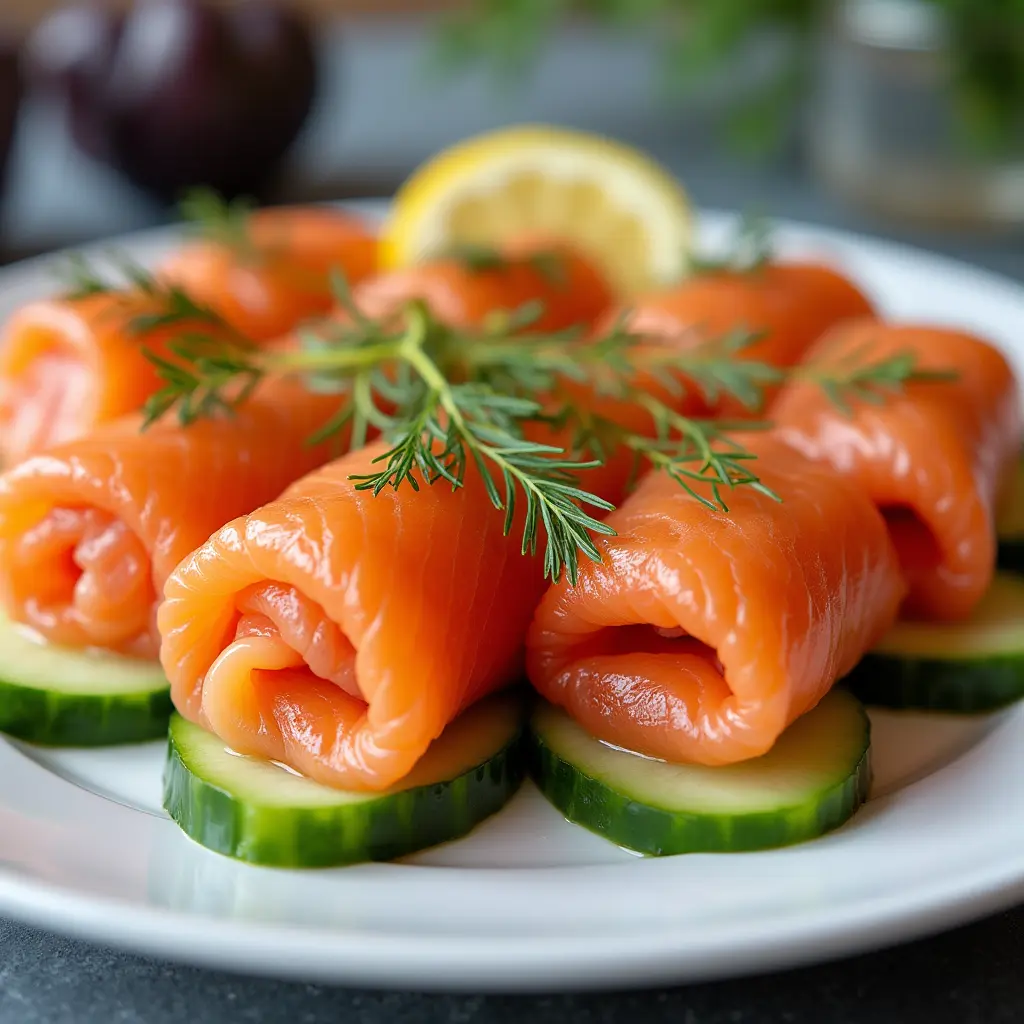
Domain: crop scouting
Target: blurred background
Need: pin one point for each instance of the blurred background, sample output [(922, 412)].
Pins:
[(899, 117)]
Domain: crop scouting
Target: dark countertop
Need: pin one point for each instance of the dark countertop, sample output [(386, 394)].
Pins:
[(970, 976)]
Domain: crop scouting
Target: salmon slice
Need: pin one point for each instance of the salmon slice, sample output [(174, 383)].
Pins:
[(338, 632), (932, 459), (90, 530), (67, 365), (701, 635), (569, 289), (283, 277), (791, 304)]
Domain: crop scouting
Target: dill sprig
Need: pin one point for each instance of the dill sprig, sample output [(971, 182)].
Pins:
[(458, 424), (441, 427), (79, 278), (219, 220), (698, 454), (610, 364), (207, 375), (855, 378), (451, 401), (482, 258), (713, 369), (206, 367), (483, 417), (172, 304)]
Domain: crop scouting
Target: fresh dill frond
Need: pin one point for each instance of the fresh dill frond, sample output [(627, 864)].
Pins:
[(712, 369), (855, 378), (699, 453), (172, 304), (79, 279), (475, 257), (220, 220), (456, 425), (451, 401), (175, 308), (202, 376), (611, 364), (205, 367), (479, 259)]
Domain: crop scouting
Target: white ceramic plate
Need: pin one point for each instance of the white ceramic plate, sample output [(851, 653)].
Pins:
[(529, 901)]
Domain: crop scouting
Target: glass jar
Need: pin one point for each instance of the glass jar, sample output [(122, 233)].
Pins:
[(883, 127)]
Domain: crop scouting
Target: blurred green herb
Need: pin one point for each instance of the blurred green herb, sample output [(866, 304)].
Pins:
[(447, 400), (856, 378), (172, 304), (79, 279), (482, 258), (696, 37), (219, 220)]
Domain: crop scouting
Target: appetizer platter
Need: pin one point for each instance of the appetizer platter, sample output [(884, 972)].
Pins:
[(527, 583)]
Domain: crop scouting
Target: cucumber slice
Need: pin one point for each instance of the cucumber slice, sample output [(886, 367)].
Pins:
[(811, 781), (1010, 520), (67, 698), (260, 812), (971, 666)]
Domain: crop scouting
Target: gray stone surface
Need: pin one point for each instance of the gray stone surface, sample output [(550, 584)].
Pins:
[(971, 976)]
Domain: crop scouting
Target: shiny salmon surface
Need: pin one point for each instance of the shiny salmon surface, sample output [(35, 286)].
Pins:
[(931, 458), (90, 530), (701, 635), (568, 289), (68, 365), (282, 276), (339, 632), (789, 305)]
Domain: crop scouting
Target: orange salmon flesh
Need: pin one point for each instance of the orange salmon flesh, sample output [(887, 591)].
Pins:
[(90, 530), (282, 276), (339, 632), (788, 305), (701, 635), (69, 365), (932, 458)]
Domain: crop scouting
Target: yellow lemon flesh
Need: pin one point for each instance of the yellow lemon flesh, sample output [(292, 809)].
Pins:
[(609, 201)]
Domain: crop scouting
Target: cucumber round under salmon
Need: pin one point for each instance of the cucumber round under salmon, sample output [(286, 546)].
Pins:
[(1010, 521), (971, 666), (811, 781), (60, 697), (260, 812)]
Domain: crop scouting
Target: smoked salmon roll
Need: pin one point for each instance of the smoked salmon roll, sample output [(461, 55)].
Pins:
[(70, 364), (339, 632), (90, 530), (701, 635), (464, 290), (932, 458), (278, 273), (790, 305)]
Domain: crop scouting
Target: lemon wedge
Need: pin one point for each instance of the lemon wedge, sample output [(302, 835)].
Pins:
[(612, 202)]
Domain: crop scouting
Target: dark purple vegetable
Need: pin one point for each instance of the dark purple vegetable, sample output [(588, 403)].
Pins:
[(180, 93), (10, 97)]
